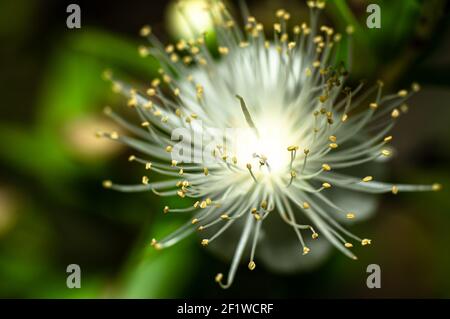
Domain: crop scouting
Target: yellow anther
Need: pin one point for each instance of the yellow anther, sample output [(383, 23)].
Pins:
[(305, 205), (394, 189), (306, 250), (174, 58), (326, 167), (151, 92), (348, 245), (187, 60), (373, 106), (350, 215), (320, 4), (169, 149), (315, 235), (332, 138), (181, 45), (195, 50), (388, 138), (148, 166), (143, 51), (349, 29), (251, 265), (344, 118), (107, 184), (333, 145), (308, 72), (181, 194), (170, 48), (415, 87), (436, 187), (385, 152), (205, 242), (277, 27), (166, 78), (145, 124), (114, 135), (155, 244), (224, 50), (279, 13), (292, 148), (145, 31), (144, 180), (251, 19), (224, 217), (203, 204), (131, 158), (155, 82), (166, 209), (264, 204), (218, 277), (395, 113), (323, 98), (326, 185), (367, 179), (230, 23), (243, 44), (366, 242), (194, 221), (402, 93), (116, 88), (205, 171), (293, 174)]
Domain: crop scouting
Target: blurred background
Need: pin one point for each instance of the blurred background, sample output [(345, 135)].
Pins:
[(54, 212)]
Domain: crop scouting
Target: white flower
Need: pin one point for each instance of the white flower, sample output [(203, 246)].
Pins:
[(288, 173)]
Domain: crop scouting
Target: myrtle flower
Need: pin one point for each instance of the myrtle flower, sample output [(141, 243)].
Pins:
[(304, 166)]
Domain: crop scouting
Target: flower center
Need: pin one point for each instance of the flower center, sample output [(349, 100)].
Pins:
[(265, 149)]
